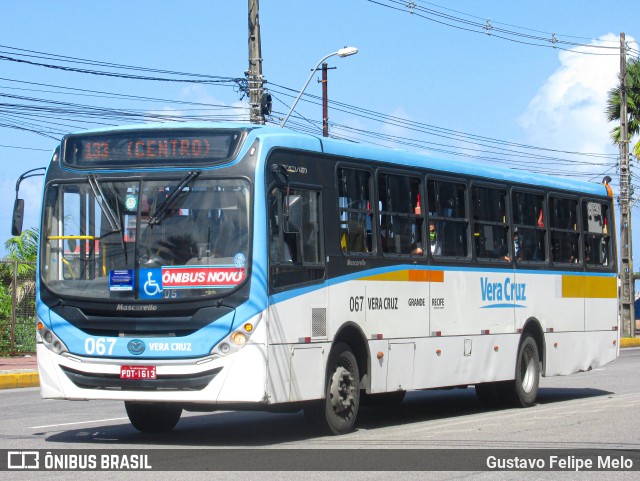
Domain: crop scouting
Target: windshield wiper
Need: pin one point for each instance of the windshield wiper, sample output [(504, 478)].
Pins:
[(111, 216), (160, 213)]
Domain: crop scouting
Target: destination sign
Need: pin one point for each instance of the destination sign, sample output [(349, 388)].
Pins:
[(152, 148)]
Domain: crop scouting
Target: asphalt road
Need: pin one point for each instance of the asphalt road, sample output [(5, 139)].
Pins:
[(597, 410)]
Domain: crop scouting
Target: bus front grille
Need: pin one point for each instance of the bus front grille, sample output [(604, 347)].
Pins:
[(194, 382)]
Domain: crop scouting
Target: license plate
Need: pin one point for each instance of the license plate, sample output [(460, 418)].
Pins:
[(137, 372)]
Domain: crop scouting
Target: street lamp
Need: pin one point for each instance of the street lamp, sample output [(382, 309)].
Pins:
[(343, 52)]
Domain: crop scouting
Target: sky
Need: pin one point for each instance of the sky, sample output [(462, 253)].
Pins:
[(522, 84)]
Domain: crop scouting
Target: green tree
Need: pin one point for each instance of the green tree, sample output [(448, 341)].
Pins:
[(22, 253), (24, 250), (633, 105)]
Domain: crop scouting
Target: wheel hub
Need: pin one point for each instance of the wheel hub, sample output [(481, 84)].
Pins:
[(342, 390)]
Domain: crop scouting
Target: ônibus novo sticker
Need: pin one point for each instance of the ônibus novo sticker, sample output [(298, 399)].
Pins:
[(201, 277)]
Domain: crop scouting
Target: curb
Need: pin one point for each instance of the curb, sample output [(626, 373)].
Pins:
[(629, 342), (19, 379)]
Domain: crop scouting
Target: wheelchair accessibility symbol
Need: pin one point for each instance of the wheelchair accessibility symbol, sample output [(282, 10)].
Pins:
[(150, 286)]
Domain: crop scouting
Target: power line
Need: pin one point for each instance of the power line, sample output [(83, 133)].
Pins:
[(46, 116), (23, 148), (492, 29), (111, 95), (21, 55), (510, 147)]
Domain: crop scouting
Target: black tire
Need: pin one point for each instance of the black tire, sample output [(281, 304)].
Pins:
[(524, 389), (336, 414), (153, 418)]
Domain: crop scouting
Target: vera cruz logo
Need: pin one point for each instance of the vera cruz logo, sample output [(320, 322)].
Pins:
[(503, 293), (136, 347)]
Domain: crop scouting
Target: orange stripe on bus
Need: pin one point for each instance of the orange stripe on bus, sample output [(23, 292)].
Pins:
[(408, 276)]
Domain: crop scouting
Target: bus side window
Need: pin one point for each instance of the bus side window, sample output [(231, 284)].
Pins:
[(529, 234), (355, 209), (401, 219), (565, 236), (490, 223), (295, 257), (448, 213), (595, 223)]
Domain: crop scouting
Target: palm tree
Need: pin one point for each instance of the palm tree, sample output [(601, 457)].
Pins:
[(633, 104), (24, 250)]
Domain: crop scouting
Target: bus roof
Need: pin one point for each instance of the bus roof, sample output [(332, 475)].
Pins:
[(288, 138)]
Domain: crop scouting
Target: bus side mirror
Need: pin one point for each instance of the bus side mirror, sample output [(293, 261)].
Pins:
[(293, 214), (18, 217)]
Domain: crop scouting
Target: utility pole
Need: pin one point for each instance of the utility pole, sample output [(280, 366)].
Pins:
[(626, 268), (325, 99), (325, 102), (254, 74)]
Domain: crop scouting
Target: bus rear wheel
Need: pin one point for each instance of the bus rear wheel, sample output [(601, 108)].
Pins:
[(153, 418), (336, 414), (524, 389)]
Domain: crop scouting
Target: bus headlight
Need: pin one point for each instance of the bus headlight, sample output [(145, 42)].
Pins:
[(47, 337), (239, 338), (236, 340)]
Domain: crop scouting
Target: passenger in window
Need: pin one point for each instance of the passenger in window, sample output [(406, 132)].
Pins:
[(587, 253), (574, 258), (433, 237)]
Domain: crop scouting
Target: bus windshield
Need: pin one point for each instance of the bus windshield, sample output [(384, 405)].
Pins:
[(145, 239)]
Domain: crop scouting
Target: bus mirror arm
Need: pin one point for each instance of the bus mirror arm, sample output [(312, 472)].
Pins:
[(18, 206), (280, 173)]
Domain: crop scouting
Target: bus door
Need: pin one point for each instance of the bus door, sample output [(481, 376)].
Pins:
[(298, 307)]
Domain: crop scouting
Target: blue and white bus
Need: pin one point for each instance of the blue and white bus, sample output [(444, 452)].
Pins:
[(209, 266)]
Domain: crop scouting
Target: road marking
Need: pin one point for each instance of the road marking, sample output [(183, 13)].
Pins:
[(79, 422)]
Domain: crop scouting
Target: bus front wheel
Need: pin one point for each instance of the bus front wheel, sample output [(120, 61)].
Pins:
[(153, 418), (336, 414)]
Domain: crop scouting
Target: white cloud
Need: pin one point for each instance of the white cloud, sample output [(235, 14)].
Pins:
[(568, 112)]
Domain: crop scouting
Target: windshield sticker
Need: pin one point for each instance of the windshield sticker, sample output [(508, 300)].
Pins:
[(131, 202), (239, 260), (201, 277), (121, 280), (150, 285)]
